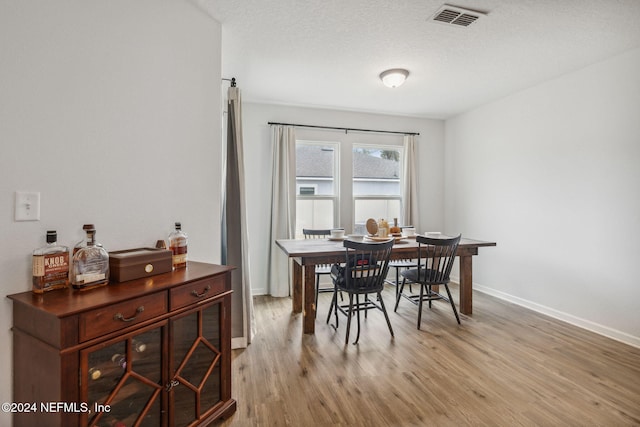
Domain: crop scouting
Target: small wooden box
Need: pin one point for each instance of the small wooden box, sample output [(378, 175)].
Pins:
[(133, 264)]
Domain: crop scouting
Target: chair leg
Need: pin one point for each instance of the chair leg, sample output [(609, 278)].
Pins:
[(346, 338), (452, 304), (358, 315), (397, 280), (399, 294), (317, 292), (420, 305), (333, 307), (386, 316)]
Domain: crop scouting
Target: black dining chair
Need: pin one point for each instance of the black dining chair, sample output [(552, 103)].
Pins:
[(321, 269), (401, 264), (366, 266), (435, 260)]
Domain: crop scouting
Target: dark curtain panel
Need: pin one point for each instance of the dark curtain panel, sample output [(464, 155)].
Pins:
[(233, 225)]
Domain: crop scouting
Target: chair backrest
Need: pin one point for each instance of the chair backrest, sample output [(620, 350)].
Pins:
[(438, 255), (315, 234), (366, 265)]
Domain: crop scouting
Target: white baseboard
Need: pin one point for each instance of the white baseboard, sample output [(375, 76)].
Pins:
[(565, 317)]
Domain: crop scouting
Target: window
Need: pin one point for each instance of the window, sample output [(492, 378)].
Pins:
[(316, 185), (367, 184), (377, 186)]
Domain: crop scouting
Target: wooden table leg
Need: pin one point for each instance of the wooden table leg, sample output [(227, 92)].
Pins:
[(309, 309), (297, 287), (466, 285)]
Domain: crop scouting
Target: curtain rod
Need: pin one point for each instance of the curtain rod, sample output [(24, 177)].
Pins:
[(344, 129), (232, 80)]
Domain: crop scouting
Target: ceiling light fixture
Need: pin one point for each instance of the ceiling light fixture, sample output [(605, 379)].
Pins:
[(394, 77)]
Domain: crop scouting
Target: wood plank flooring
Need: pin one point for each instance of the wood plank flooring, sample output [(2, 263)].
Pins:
[(504, 366)]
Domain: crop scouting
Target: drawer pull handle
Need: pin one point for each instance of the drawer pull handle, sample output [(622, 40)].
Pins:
[(197, 295), (120, 316)]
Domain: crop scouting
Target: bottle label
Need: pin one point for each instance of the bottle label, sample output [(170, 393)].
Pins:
[(45, 265), (90, 277), (179, 255), (38, 265), (178, 259)]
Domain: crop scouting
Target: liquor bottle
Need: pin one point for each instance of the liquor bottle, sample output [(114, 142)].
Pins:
[(83, 243), (50, 265), (178, 247), (90, 264), (395, 230)]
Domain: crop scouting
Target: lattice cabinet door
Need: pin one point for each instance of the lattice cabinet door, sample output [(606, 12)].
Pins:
[(122, 380), (196, 359)]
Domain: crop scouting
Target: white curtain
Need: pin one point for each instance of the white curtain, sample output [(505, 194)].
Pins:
[(283, 206), (410, 190), (235, 249)]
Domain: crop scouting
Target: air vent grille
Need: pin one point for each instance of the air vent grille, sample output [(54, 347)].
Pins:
[(452, 15)]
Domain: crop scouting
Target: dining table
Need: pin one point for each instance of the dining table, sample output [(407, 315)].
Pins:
[(307, 253)]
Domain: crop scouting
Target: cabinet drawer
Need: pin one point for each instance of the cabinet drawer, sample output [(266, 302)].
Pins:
[(108, 319), (199, 290)]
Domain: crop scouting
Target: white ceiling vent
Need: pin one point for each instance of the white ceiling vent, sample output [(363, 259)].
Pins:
[(452, 15)]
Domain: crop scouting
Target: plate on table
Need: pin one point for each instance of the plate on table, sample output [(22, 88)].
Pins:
[(337, 239), (397, 239)]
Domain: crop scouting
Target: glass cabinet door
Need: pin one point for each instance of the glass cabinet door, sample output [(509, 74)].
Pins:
[(195, 364), (123, 380)]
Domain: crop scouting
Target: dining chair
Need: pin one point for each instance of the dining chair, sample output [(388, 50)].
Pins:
[(363, 273), (401, 264), (435, 260), (321, 269)]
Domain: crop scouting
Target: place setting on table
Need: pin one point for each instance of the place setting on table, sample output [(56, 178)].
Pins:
[(378, 231)]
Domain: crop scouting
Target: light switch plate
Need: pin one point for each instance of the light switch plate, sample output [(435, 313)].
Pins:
[(27, 206)]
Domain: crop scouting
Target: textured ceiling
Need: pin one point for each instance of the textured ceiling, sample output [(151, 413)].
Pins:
[(329, 53)]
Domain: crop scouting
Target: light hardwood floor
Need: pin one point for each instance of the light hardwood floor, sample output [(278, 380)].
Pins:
[(504, 366)]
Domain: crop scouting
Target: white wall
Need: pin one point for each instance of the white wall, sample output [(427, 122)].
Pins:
[(553, 175), (111, 110), (257, 140)]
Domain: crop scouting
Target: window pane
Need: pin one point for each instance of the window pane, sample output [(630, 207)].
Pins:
[(315, 169), (316, 185), (312, 213), (374, 208), (376, 171)]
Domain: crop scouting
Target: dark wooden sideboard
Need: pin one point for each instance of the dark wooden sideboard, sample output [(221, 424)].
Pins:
[(152, 351)]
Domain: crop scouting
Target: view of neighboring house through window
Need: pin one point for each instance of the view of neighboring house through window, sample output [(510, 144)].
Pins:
[(373, 178), (316, 185), (377, 187)]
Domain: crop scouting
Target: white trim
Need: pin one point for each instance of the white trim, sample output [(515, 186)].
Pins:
[(238, 342), (559, 315)]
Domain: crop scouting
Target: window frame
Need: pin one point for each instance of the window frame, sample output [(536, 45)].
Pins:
[(397, 197), (336, 179)]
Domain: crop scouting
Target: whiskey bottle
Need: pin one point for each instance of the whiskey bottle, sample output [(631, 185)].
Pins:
[(90, 264), (178, 247), (83, 242), (50, 265)]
